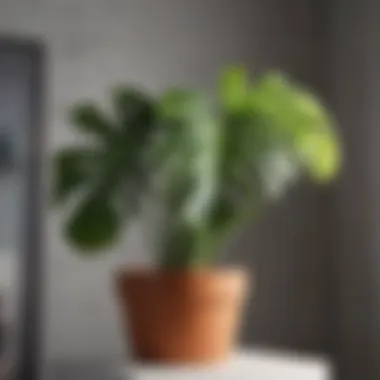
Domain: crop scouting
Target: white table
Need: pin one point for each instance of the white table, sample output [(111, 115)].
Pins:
[(246, 365)]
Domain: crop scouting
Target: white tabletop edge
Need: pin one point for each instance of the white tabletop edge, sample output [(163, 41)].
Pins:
[(258, 364)]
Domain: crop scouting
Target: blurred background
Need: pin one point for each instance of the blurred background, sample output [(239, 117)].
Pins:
[(316, 255)]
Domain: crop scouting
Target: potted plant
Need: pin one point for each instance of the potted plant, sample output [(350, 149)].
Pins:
[(211, 164)]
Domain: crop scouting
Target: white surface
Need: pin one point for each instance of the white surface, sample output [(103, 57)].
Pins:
[(246, 365)]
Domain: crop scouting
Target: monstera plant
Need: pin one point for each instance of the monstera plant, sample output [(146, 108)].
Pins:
[(212, 163)]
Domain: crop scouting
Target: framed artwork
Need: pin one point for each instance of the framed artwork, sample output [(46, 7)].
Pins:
[(21, 151)]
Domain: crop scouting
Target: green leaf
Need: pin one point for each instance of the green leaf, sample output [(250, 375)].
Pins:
[(115, 171), (317, 144), (88, 118), (72, 169), (95, 224), (178, 104), (188, 169), (321, 155), (133, 107), (203, 168), (297, 118), (136, 119), (196, 146), (237, 188), (234, 88)]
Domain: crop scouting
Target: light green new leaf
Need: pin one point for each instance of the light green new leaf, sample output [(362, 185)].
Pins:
[(234, 88), (318, 146), (302, 122)]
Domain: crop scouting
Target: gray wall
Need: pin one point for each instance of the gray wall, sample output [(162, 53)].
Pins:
[(354, 79), (93, 44)]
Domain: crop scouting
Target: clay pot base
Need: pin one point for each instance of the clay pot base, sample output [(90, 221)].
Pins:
[(182, 317)]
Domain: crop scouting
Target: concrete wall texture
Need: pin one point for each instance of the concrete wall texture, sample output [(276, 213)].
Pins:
[(93, 44)]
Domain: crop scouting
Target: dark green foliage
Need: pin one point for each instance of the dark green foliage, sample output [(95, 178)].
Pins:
[(89, 119), (71, 170), (109, 177), (95, 224)]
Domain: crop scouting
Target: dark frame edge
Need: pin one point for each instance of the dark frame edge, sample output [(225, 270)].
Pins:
[(29, 360)]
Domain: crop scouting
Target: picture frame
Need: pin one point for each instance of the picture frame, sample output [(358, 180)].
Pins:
[(28, 352)]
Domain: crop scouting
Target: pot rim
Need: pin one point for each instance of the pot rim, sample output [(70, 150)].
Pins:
[(236, 271)]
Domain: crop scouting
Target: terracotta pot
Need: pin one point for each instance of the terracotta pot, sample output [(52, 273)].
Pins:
[(182, 317)]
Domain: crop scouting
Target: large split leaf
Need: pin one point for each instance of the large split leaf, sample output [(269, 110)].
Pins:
[(112, 173)]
